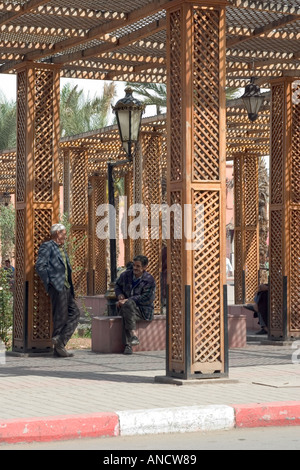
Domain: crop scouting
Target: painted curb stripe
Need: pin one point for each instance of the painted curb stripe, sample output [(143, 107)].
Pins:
[(59, 427), (267, 414), (171, 420), (159, 420)]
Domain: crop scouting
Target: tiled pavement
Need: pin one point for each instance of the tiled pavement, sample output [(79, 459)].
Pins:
[(92, 383)]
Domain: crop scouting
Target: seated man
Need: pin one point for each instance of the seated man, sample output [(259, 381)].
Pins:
[(135, 291)]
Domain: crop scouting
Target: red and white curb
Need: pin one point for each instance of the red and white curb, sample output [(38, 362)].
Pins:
[(152, 421)]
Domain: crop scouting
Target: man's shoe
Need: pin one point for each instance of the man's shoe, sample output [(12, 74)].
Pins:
[(134, 341), (56, 341), (128, 349), (262, 332), (60, 351)]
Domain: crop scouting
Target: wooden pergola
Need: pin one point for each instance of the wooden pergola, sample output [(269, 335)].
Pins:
[(198, 48)]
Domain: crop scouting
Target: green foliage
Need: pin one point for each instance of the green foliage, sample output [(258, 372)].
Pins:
[(7, 231), (6, 308), (79, 114), (8, 123), (152, 93)]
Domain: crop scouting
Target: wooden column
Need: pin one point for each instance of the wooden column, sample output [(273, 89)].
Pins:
[(196, 176), (97, 277), (284, 318), (37, 199), (246, 228), (79, 217), (152, 200)]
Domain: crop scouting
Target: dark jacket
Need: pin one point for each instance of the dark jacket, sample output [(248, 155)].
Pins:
[(51, 268), (143, 293)]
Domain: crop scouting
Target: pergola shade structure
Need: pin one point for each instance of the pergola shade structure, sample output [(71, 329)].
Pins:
[(198, 48)]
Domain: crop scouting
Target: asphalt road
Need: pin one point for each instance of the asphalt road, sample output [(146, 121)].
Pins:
[(281, 438)]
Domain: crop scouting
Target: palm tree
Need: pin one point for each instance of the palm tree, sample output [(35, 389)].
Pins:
[(79, 114), (8, 123), (153, 94), (156, 94)]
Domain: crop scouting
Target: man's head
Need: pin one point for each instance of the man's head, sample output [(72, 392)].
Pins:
[(58, 233), (7, 263), (140, 263)]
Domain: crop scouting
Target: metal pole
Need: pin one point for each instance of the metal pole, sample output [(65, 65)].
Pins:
[(110, 295)]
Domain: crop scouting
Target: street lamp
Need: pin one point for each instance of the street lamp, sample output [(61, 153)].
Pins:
[(252, 99), (128, 112)]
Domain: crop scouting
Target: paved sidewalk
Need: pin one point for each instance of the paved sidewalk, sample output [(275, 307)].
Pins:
[(91, 384)]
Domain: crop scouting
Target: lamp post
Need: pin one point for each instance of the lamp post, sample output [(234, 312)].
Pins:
[(252, 99), (129, 113)]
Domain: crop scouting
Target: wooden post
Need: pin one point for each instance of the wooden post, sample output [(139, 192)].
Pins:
[(79, 217), (196, 177), (284, 317), (37, 199), (246, 228), (97, 279)]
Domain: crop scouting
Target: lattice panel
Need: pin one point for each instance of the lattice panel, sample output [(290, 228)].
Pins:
[(251, 191), (21, 137), (238, 235), (238, 191), (238, 264), (152, 195), (176, 304), (277, 144), (295, 163), (175, 90), (207, 340), (79, 187), (100, 286), (206, 95), (276, 271), (19, 277), (295, 272), (41, 315), (43, 134), (251, 265), (79, 262)]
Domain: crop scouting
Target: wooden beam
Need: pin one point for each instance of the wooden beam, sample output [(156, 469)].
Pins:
[(94, 33), (264, 29), (119, 43), (24, 9)]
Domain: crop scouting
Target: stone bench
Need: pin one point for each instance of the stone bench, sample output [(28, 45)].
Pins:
[(107, 334), (237, 327)]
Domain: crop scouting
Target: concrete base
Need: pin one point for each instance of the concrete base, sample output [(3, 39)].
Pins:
[(164, 379)]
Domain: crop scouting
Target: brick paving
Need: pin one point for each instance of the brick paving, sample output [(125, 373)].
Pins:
[(92, 383)]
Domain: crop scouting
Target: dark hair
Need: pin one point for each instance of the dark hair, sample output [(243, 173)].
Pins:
[(143, 259)]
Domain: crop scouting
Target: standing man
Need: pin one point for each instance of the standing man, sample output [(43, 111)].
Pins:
[(54, 269), (135, 291)]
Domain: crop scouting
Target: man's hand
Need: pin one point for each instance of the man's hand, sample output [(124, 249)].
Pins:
[(121, 300)]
